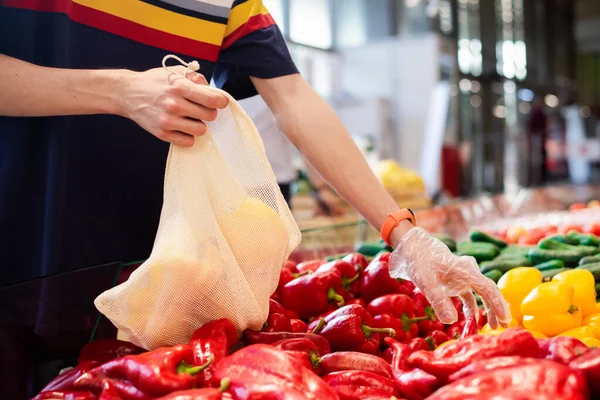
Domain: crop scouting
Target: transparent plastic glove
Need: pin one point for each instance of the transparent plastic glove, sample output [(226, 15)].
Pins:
[(430, 265)]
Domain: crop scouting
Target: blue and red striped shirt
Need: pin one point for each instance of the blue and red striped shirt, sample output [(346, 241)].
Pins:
[(80, 191)]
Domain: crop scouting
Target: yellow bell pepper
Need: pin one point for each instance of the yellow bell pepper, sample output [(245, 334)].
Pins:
[(549, 309), (513, 324), (597, 307), (583, 332), (591, 342), (516, 284), (594, 322), (585, 293)]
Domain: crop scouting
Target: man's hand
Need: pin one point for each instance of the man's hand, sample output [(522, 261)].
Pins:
[(170, 106), (430, 265)]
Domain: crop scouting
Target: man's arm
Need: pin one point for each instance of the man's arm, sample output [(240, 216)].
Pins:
[(167, 105), (312, 126)]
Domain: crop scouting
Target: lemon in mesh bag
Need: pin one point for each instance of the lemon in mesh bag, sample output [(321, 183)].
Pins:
[(225, 232)]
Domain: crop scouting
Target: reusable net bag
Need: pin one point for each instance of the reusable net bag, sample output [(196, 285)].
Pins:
[(225, 232)]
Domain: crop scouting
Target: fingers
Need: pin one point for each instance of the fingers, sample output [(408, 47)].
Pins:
[(186, 108), (499, 312), (442, 305), (469, 303), (177, 138), (197, 78), (203, 96), (185, 125)]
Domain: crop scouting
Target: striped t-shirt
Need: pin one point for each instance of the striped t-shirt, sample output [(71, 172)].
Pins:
[(81, 191)]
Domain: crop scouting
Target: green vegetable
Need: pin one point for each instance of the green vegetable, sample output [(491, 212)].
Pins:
[(517, 250), (494, 274), (549, 274), (447, 240), (553, 244), (384, 245), (369, 249), (570, 255), (563, 239), (552, 264), (504, 264), (335, 257), (586, 239), (590, 259), (478, 236), (594, 268), (481, 251)]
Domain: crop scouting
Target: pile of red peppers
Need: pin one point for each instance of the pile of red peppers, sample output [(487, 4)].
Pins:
[(339, 330)]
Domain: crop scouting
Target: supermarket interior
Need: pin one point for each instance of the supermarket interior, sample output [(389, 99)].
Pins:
[(307, 199)]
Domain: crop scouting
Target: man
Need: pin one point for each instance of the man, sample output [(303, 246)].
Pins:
[(81, 179)]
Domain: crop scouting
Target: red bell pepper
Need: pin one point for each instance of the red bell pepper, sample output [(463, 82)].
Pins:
[(352, 360), (154, 373), (298, 325), (66, 380), (414, 384), (349, 329), (106, 350), (470, 328), (311, 295), (446, 360), (387, 355), (110, 392), (439, 337), (309, 266), (357, 385), (455, 330), (376, 281), (541, 380), (252, 337), (424, 309), (490, 364), (199, 394), (212, 340), (302, 349), (589, 364), (356, 300), (350, 275), (383, 256), (395, 311), (290, 266), (292, 314), (562, 349), (481, 318), (65, 395), (264, 372), (358, 260)]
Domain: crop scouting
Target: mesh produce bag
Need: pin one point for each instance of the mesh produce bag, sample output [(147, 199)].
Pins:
[(225, 232)]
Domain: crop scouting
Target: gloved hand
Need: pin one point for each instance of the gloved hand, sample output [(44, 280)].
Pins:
[(430, 265)]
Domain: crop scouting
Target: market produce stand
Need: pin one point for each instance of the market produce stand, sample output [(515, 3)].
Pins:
[(339, 327)]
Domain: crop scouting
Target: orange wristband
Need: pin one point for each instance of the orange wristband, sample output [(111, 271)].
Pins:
[(393, 220)]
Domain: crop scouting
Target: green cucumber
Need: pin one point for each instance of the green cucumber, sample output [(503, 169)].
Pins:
[(554, 244), (585, 239), (481, 237), (504, 264), (447, 240), (570, 256), (518, 250), (550, 273), (563, 239), (481, 251), (494, 274), (369, 249), (594, 268), (590, 259), (552, 264)]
